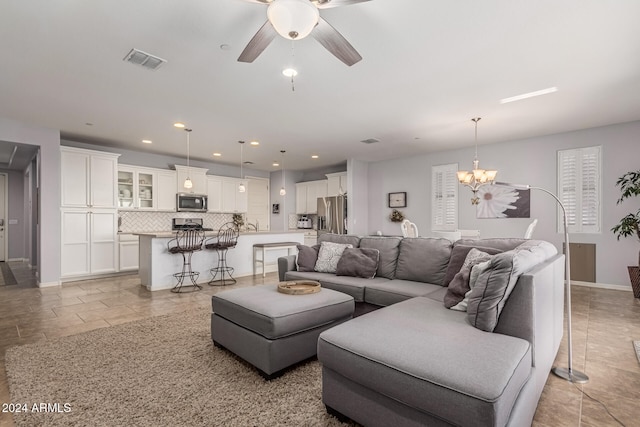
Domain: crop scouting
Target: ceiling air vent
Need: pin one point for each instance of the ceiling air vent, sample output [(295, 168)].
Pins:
[(144, 59), (370, 140)]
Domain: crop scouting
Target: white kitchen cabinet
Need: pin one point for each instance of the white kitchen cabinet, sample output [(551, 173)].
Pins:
[(88, 178), (307, 194), (310, 238), (232, 200), (198, 178), (214, 193), (166, 189), (223, 194), (89, 245), (136, 188), (336, 183), (128, 252)]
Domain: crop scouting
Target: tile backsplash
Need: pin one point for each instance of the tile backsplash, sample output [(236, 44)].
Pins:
[(142, 222)]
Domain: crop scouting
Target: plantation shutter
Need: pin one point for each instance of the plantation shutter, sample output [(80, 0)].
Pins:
[(444, 197), (579, 189)]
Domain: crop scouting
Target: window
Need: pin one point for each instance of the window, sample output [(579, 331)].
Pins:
[(444, 197), (579, 189)]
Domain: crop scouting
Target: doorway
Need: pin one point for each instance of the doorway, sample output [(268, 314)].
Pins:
[(258, 203), (3, 216)]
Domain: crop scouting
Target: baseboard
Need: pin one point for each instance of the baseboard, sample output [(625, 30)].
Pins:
[(602, 286), (48, 284)]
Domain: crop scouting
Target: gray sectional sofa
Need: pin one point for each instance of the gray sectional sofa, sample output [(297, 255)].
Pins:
[(410, 361)]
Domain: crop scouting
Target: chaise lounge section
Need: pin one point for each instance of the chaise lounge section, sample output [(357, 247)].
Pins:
[(413, 361)]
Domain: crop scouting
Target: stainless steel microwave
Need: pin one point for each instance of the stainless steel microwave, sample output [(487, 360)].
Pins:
[(189, 202)]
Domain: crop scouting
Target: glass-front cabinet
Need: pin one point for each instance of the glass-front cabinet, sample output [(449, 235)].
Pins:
[(136, 188)]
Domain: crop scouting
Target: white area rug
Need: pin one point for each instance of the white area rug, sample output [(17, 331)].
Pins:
[(162, 371)]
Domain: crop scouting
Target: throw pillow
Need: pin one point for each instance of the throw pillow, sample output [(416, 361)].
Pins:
[(459, 285), (358, 262), (476, 270), (494, 285), (458, 255), (329, 255), (307, 257)]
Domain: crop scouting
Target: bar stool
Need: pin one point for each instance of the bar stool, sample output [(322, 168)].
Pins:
[(227, 239), (186, 243)]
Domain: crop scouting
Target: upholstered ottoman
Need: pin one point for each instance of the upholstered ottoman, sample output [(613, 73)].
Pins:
[(272, 330)]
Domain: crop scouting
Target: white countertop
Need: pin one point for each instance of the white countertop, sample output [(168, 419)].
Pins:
[(171, 234)]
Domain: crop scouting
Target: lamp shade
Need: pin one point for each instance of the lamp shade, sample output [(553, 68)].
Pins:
[(293, 19)]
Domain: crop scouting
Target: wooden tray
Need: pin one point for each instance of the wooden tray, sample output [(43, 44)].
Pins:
[(299, 287)]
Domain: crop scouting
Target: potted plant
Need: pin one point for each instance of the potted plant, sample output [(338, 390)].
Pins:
[(629, 184)]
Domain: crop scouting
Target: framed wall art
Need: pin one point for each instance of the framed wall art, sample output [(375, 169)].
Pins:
[(398, 200)]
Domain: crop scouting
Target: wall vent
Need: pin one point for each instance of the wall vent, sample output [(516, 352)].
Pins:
[(370, 140), (144, 59)]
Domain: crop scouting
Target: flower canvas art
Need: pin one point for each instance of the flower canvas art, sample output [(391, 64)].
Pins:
[(503, 202)]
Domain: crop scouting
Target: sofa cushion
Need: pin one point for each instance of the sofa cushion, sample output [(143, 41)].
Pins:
[(495, 284), (329, 255), (459, 285), (502, 243), (429, 358), (348, 239), (307, 257), (423, 259), (475, 272), (458, 256), (389, 247), (358, 262), (394, 291), (353, 286)]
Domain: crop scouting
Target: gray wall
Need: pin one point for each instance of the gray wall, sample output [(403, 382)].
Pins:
[(49, 184), (531, 161)]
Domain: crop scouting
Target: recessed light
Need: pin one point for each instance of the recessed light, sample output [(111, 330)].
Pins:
[(89, 124), (254, 143), (225, 46), (529, 95), (147, 141), (275, 164), (179, 125), (315, 156), (289, 72), (217, 154)]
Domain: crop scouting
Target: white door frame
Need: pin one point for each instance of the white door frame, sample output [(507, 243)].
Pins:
[(6, 215)]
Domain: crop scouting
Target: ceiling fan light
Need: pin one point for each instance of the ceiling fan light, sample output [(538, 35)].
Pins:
[(293, 19), (290, 72)]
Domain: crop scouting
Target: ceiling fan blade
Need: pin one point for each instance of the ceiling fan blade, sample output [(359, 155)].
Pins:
[(258, 43), (335, 43), (261, 1), (326, 4)]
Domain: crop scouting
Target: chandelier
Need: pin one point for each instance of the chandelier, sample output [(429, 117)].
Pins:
[(477, 177)]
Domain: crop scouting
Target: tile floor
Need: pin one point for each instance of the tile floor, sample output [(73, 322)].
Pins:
[(605, 323)]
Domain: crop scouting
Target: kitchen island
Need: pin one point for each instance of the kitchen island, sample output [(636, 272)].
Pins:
[(157, 265)]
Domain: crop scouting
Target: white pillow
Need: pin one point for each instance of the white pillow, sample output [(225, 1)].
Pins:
[(476, 270), (329, 255)]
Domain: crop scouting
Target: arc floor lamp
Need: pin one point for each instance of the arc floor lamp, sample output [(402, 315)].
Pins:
[(568, 373)]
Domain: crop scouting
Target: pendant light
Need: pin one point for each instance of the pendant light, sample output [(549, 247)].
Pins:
[(241, 187), (477, 177), (188, 184), (283, 191)]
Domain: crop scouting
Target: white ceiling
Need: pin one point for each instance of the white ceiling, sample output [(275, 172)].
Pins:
[(428, 68)]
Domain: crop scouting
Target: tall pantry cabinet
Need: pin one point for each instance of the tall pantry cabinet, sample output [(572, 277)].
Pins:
[(89, 212)]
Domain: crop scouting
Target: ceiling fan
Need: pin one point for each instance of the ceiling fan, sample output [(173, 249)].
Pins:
[(296, 19)]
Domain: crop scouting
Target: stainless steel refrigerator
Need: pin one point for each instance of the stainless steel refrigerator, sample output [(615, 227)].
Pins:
[(332, 214)]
